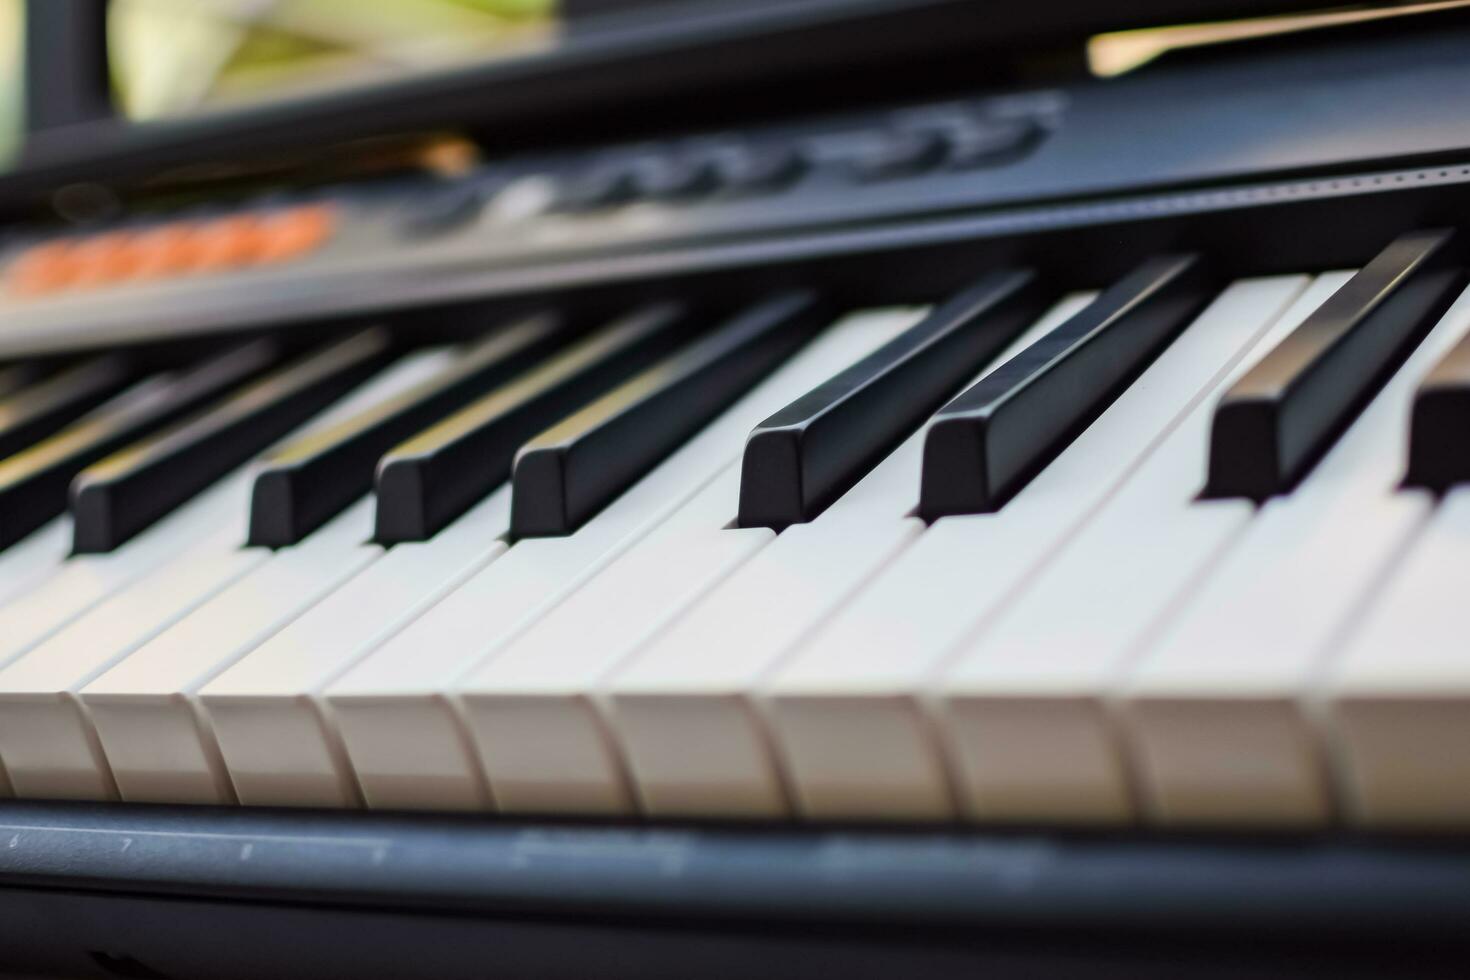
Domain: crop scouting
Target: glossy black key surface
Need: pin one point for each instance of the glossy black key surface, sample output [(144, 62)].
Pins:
[(1278, 419), (33, 483), (569, 472), (308, 480), (1439, 428), (806, 455), (994, 437), (437, 475), (14, 377), (114, 499), (37, 410)]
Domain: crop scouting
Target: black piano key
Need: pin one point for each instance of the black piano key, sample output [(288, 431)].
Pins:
[(802, 458), (307, 481), (33, 483), (14, 377), (37, 410), (116, 498), (1439, 450), (437, 475), (1274, 423), (569, 472), (994, 437)]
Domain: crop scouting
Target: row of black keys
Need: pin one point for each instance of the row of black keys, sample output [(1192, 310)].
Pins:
[(573, 418)]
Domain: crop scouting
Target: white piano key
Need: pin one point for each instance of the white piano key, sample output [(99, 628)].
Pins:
[(30, 561), (281, 679), (44, 736), (847, 707), (82, 582), (91, 610), (401, 730), (1021, 700), (528, 708), (1216, 705), (1395, 699), (694, 745), (147, 709)]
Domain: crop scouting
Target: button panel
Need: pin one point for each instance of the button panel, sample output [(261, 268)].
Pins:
[(900, 155), (510, 208), (181, 247), (910, 143)]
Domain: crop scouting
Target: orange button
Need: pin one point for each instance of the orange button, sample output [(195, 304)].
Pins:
[(295, 231), (104, 258), (227, 243), (43, 268), (171, 249), (164, 250)]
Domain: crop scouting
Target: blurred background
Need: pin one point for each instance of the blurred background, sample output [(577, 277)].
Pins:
[(175, 56)]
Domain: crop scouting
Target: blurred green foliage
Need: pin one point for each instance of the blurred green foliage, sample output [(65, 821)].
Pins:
[(176, 56), (173, 56)]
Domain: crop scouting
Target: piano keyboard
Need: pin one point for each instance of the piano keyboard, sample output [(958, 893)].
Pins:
[(1180, 551)]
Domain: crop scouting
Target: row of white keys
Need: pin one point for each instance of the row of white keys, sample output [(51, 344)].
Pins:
[(1395, 698), (1022, 701), (530, 707), (48, 749), (73, 588), (51, 745), (1218, 706), (145, 708), (849, 708), (679, 706), (406, 743), (267, 708)]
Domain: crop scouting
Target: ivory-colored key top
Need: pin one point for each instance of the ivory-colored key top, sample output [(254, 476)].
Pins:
[(1396, 698), (285, 675), (84, 581), (542, 742), (45, 738), (30, 561), (147, 709)]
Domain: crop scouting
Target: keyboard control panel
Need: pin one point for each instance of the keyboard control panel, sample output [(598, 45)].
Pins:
[(719, 197)]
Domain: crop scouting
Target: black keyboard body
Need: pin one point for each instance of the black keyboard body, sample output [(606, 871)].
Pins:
[(1305, 154)]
